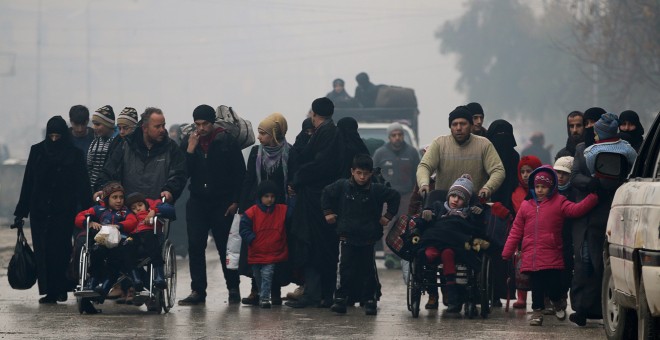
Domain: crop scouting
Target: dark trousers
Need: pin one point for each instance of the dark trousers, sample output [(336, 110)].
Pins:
[(105, 263), (319, 283), (545, 283), (202, 216), (143, 243), (356, 271)]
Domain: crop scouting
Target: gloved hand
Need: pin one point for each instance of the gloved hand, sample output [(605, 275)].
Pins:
[(593, 185), (477, 210), (427, 215), (500, 210), (18, 223)]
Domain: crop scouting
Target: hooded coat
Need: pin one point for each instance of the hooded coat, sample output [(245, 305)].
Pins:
[(500, 133), (539, 225), (55, 187)]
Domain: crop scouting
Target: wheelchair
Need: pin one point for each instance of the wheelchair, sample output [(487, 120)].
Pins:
[(156, 300), (476, 284)]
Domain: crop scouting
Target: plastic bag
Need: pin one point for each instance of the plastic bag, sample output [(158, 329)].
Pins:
[(22, 270), (234, 244), (108, 236)]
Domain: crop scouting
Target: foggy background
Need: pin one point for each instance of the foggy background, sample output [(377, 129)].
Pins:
[(517, 58)]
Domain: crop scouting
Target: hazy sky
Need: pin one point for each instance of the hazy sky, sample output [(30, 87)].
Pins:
[(257, 56)]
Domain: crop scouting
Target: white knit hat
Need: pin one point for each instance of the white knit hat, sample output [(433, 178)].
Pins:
[(564, 164)]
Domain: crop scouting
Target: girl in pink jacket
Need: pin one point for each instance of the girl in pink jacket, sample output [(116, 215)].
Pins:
[(539, 224)]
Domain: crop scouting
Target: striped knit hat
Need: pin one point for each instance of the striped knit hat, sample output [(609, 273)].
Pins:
[(462, 187), (607, 126), (128, 116), (104, 116)]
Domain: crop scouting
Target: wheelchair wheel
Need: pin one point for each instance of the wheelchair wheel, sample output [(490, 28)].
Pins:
[(168, 295), (414, 289), (83, 266), (485, 287)]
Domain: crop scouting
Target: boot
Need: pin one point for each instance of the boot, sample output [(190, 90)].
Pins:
[(370, 307), (339, 306), (433, 302), (252, 299), (159, 277), (522, 300), (137, 280), (453, 300)]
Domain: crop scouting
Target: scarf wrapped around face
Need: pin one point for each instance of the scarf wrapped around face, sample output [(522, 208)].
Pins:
[(461, 212), (269, 158)]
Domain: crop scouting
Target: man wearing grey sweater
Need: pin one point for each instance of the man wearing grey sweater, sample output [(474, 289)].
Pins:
[(461, 152)]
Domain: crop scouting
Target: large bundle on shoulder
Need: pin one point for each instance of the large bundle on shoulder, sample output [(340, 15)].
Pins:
[(395, 96), (238, 128)]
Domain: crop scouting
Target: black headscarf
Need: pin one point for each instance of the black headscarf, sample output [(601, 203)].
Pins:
[(635, 137), (303, 138), (353, 144), (500, 133), (594, 114), (55, 149)]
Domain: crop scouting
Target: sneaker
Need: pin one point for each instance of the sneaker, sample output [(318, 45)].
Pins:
[(296, 294), (537, 318), (252, 299), (194, 298), (560, 309), (370, 307), (433, 302), (578, 319), (339, 306), (264, 304), (234, 296)]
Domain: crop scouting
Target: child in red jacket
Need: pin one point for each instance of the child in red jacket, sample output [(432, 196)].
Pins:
[(111, 212), (145, 209), (539, 224), (263, 228)]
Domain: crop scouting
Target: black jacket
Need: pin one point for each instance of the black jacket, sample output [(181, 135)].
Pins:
[(219, 174), (359, 209), (319, 161), (150, 171)]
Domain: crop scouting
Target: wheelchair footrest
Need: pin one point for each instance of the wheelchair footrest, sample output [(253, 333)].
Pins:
[(86, 294)]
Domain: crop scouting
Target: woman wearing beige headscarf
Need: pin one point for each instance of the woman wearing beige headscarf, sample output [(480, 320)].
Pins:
[(269, 160)]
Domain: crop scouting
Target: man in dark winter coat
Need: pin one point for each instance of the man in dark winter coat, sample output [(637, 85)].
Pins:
[(313, 243), (55, 187), (81, 134), (588, 232), (217, 170), (575, 129), (398, 163), (148, 161), (366, 92), (339, 96)]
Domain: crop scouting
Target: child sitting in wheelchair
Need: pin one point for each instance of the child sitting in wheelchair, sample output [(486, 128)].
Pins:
[(449, 230), (104, 261), (143, 237)]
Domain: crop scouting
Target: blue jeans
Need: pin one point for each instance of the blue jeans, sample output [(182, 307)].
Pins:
[(263, 275)]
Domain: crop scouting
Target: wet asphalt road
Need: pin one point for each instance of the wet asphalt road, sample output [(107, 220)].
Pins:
[(22, 317)]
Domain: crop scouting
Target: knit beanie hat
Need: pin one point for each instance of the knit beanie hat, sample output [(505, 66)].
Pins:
[(594, 113), (564, 164), (460, 112), (544, 178), (204, 112), (396, 126), (462, 187), (111, 187), (323, 107), (307, 124), (136, 197), (531, 161), (267, 187), (128, 117), (275, 125), (607, 126), (104, 116), (475, 108), (337, 81)]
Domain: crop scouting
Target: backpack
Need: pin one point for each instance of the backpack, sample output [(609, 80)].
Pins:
[(238, 128)]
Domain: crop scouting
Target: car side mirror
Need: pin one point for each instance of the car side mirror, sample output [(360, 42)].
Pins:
[(611, 165)]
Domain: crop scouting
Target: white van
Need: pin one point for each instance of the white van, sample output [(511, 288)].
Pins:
[(631, 280)]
